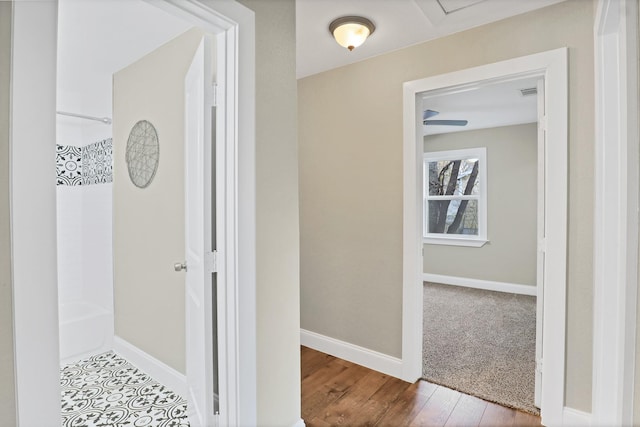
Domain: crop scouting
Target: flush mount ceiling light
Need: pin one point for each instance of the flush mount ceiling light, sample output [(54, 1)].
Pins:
[(351, 31)]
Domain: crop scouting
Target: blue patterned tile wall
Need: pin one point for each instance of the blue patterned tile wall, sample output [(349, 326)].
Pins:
[(88, 165)]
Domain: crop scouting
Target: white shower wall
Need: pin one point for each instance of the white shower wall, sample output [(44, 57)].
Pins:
[(69, 210), (85, 262), (84, 244), (97, 266)]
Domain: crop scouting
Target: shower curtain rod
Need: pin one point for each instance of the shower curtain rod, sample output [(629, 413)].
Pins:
[(105, 120)]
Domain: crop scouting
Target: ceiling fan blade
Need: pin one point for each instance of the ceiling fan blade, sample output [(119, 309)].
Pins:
[(427, 114), (445, 122)]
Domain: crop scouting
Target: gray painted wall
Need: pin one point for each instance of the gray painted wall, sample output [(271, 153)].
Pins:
[(277, 228), (636, 406), (278, 286), (350, 139), (7, 382), (278, 239), (510, 255), (148, 224)]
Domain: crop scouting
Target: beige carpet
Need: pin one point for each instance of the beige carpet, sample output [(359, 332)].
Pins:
[(481, 343)]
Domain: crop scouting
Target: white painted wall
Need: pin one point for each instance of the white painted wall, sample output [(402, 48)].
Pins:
[(33, 212)]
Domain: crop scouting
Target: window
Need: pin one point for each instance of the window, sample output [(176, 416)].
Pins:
[(455, 197)]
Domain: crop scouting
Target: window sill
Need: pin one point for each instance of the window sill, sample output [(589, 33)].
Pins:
[(455, 241)]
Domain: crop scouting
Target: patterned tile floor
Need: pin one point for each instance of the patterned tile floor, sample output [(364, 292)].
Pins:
[(106, 390)]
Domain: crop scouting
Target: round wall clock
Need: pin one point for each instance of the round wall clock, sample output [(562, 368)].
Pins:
[(143, 153)]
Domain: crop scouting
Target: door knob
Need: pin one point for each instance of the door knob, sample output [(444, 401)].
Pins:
[(179, 266)]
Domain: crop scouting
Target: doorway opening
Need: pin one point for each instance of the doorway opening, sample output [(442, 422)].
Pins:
[(36, 338), (87, 59), (551, 68), (94, 69), (481, 209), (129, 205)]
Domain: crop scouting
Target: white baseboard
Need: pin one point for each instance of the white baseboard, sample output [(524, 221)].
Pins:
[(299, 423), (156, 369), (488, 285), (353, 353), (574, 418), (78, 357)]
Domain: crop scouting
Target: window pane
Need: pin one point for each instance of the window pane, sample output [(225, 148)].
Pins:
[(453, 217), (451, 177)]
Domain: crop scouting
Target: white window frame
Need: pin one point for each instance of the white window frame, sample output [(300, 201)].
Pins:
[(480, 240)]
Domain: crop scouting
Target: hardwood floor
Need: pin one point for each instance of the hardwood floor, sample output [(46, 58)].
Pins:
[(340, 393)]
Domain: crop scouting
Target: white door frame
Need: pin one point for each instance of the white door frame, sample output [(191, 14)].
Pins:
[(540, 236), (552, 66), (33, 213), (616, 212), (237, 328)]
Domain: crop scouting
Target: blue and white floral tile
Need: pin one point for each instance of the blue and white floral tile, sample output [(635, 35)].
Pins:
[(68, 165)]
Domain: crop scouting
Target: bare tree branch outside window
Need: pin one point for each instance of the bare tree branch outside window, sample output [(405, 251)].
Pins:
[(457, 213)]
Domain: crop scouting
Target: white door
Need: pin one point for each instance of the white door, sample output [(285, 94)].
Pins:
[(199, 242), (542, 132)]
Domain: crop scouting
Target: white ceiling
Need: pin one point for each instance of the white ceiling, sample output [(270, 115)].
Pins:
[(96, 38), (399, 23), (489, 106), (100, 37), (106, 36), (110, 34)]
